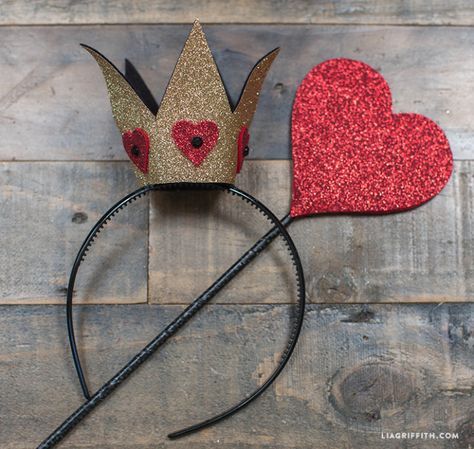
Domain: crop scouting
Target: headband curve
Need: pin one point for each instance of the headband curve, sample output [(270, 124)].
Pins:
[(278, 229)]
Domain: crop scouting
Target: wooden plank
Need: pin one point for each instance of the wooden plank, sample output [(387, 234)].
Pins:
[(48, 208), (47, 211), (358, 371), (54, 106), (425, 255), (458, 12)]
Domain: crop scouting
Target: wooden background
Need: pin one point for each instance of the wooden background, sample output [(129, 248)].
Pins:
[(388, 341)]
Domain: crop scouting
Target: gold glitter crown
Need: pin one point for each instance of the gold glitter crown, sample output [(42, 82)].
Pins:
[(196, 135)]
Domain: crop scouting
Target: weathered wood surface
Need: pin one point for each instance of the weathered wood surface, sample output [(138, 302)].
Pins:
[(358, 371), (421, 256), (421, 261), (426, 255), (54, 106), (426, 12), (47, 209)]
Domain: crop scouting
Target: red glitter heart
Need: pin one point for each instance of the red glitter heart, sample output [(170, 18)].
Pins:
[(195, 140), (137, 146), (352, 154)]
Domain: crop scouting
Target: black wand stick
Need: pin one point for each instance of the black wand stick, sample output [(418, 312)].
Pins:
[(182, 319)]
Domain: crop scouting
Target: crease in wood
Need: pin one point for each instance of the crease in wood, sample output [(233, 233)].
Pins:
[(386, 12)]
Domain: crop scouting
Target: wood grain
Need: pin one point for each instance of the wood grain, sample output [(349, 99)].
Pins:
[(425, 255), (47, 211), (54, 106), (357, 371), (457, 12), (48, 208)]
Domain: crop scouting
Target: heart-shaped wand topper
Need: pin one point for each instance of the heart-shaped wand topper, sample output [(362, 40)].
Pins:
[(195, 140), (137, 146), (352, 154)]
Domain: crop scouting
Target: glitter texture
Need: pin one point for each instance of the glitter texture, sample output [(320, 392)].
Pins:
[(183, 133), (194, 94), (248, 100), (137, 146), (351, 154), (242, 143)]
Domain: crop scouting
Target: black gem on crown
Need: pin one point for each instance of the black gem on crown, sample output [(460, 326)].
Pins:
[(197, 142), (135, 150)]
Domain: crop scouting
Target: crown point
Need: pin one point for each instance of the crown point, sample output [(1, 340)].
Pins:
[(196, 32)]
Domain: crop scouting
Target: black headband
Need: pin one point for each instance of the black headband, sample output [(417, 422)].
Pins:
[(277, 229)]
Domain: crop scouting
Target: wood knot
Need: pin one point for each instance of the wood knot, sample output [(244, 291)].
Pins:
[(79, 217), (365, 315), (280, 88), (459, 332), (367, 392), (466, 434), (336, 287)]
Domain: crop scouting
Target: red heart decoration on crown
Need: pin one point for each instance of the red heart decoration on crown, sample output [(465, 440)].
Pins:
[(195, 140), (352, 154), (137, 146)]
